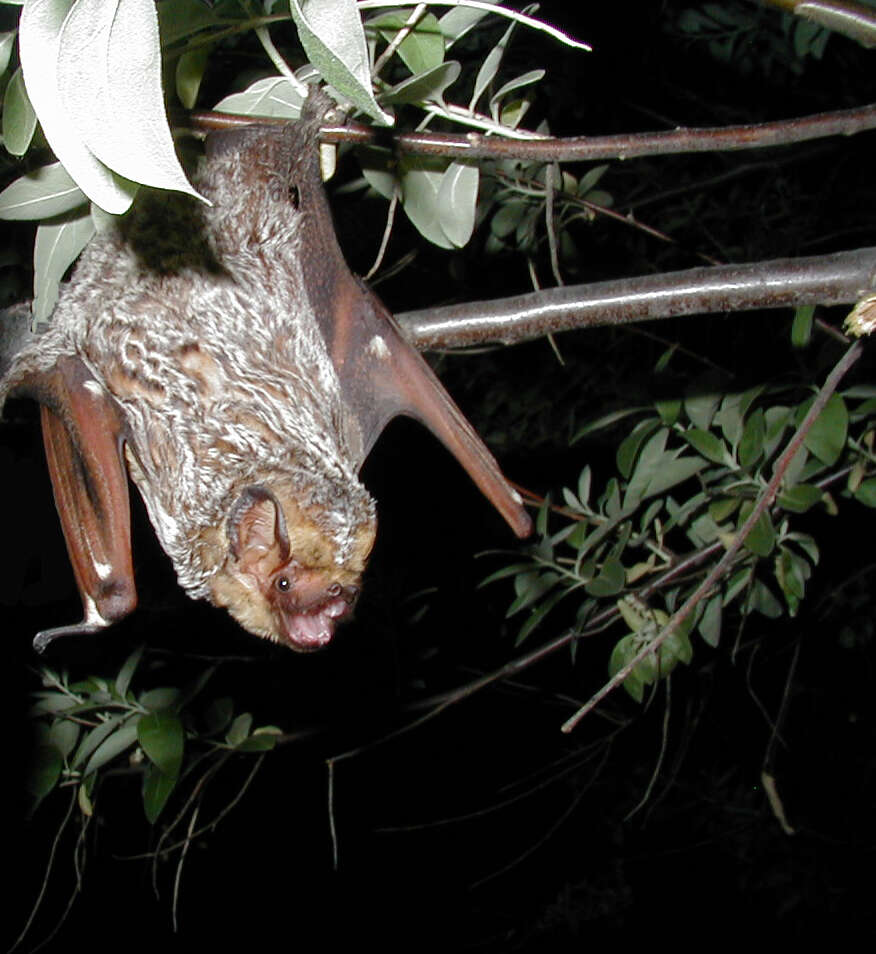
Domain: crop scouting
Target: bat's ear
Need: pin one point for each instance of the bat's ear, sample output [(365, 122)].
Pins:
[(257, 528)]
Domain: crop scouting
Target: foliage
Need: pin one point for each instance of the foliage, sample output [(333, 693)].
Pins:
[(688, 473), (102, 113)]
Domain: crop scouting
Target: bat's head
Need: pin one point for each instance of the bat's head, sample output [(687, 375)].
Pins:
[(282, 578)]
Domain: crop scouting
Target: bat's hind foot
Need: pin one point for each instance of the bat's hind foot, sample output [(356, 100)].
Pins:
[(46, 636)]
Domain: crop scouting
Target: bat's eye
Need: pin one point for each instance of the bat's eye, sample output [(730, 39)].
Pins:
[(282, 583)]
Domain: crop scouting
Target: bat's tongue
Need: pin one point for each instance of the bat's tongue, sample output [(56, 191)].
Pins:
[(308, 631)]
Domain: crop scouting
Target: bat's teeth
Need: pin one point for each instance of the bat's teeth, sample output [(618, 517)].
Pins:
[(310, 630)]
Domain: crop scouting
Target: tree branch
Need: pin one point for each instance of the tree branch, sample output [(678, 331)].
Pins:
[(474, 145), (840, 278)]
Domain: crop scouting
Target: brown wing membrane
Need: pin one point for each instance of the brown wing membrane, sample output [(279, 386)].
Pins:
[(382, 376), (82, 436)]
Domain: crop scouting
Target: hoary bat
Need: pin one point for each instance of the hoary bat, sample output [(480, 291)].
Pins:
[(227, 359)]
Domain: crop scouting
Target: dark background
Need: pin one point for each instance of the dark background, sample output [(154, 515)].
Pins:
[(486, 828)]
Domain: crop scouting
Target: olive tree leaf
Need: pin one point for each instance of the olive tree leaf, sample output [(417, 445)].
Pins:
[(41, 194), (762, 536), (708, 445), (162, 738), (58, 243), (120, 739), (801, 327), (109, 78), (7, 44), (751, 443), (272, 96), (157, 788), (333, 38), (422, 49), (426, 86), (189, 73), (527, 79), (19, 119), (126, 673), (240, 729), (866, 492), (39, 44), (710, 622), (800, 498), (458, 21), (44, 771), (827, 436), (457, 202)]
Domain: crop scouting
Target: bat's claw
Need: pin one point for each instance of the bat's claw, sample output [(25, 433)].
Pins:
[(44, 637)]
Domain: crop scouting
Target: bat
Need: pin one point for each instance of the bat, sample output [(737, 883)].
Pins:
[(227, 360)]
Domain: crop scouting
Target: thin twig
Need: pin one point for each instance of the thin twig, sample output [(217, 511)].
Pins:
[(49, 865)]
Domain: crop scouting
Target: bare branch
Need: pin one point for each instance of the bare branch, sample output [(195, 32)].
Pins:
[(841, 278), (474, 145)]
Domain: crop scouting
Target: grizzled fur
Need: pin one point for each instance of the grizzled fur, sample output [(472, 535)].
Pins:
[(196, 320)]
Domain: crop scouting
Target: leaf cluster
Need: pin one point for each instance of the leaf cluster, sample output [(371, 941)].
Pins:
[(687, 474), (90, 728)]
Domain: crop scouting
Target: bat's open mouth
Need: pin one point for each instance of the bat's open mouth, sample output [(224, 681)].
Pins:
[(307, 632)]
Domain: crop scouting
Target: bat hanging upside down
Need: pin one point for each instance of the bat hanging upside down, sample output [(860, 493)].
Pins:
[(227, 359)]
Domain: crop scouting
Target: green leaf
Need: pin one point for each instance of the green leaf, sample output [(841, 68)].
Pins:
[(643, 674), (460, 20), (669, 473), (424, 87), (800, 498), (189, 73), (157, 788), (129, 667), (669, 410), (57, 246), (273, 96), (801, 328), (262, 740), (122, 738), (827, 437), (753, 435), (95, 737), (218, 714), (762, 536), (531, 587), (19, 119), (41, 194), (163, 697), (162, 738), (423, 48), (333, 38), (609, 581), (7, 44), (240, 729), (527, 79), (866, 492), (628, 449), (457, 202), (701, 403), (705, 443), (584, 482), (44, 771), (64, 735), (421, 180), (761, 599), (710, 622), (539, 613), (722, 508)]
